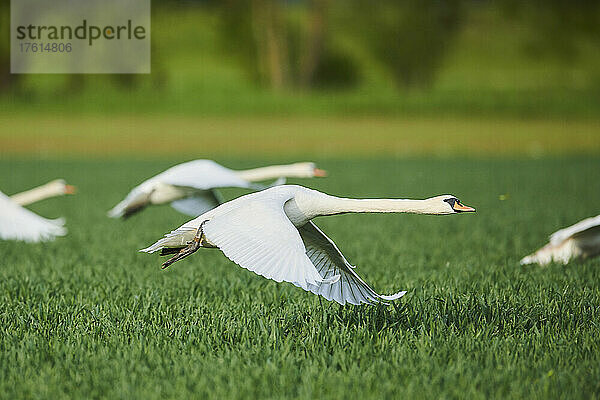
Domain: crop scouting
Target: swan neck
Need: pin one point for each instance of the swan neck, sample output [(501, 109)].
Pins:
[(343, 205), (271, 172), (37, 194)]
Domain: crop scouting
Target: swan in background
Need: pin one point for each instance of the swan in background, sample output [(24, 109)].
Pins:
[(579, 240), (190, 187), (271, 233), (57, 187), (18, 223)]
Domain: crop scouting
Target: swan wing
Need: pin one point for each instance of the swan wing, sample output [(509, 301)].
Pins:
[(198, 204), (190, 176), (203, 175), (330, 262), (259, 186), (259, 237), (18, 223), (587, 226), (137, 199)]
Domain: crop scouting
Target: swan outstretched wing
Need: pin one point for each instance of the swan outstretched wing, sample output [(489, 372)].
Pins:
[(588, 225), (190, 177), (18, 223), (259, 236), (259, 186), (202, 174), (330, 262), (137, 199), (198, 204)]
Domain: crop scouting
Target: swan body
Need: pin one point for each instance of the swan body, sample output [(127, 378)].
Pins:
[(18, 223), (272, 234), (190, 187), (579, 240)]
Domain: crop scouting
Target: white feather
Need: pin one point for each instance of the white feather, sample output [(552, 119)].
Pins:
[(259, 236), (563, 234), (199, 204), (18, 223), (579, 240)]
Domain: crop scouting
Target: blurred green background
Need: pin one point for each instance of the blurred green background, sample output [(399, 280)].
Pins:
[(305, 77), (331, 57)]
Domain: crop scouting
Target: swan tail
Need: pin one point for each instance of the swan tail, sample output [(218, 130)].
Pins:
[(126, 210), (542, 256), (172, 242), (116, 212), (562, 253), (134, 202), (528, 260)]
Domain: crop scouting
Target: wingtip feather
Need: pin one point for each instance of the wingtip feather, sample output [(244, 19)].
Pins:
[(394, 296), (527, 260), (151, 249), (116, 212)]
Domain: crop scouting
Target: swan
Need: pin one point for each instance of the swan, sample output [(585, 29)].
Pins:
[(190, 187), (272, 234), (57, 187), (579, 240), (18, 223)]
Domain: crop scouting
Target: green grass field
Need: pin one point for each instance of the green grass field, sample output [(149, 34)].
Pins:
[(87, 316)]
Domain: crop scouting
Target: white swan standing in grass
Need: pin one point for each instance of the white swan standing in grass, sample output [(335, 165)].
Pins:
[(18, 223), (191, 187), (271, 233), (579, 240)]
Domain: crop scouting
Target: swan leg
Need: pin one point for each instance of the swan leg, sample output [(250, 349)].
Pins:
[(198, 241)]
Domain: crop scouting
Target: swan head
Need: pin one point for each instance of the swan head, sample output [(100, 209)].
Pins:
[(59, 186), (306, 170), (448, 204)]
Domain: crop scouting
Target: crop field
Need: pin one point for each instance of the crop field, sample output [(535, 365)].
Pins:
[(185, 136), (87, 316)]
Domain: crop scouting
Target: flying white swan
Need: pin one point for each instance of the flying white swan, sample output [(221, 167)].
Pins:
[(190, 187), (18, 223), (271, 233), (579, 240)]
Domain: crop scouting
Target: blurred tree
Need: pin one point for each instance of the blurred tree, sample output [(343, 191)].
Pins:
[(256, 32), (559, 26), (7, 80), (410, 37), (285, 44), (75, 83), (315, 38)]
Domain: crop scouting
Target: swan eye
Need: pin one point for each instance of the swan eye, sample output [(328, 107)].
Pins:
[(452, 201)]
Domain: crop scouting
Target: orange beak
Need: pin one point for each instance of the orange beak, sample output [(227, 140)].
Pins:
[(70, 189), (319, 172), (458, 207)]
